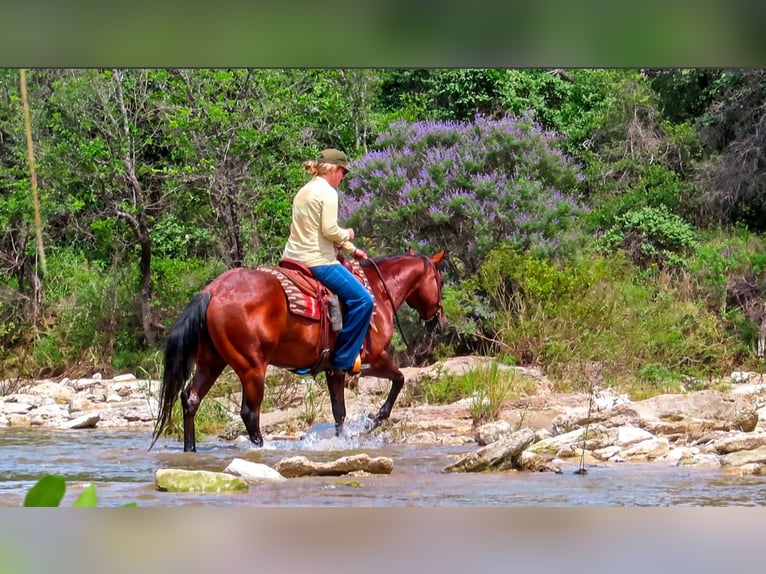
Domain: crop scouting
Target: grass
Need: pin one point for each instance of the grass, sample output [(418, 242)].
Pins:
[(487, 388)]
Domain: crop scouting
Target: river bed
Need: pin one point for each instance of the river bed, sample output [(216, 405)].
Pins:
[(122, 468)]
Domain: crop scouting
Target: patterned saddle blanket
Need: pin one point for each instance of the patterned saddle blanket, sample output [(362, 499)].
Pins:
[(306, 296)]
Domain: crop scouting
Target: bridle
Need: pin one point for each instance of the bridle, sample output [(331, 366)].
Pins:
[(391, 299)]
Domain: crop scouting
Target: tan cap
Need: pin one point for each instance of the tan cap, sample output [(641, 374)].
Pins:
[(335, 157)]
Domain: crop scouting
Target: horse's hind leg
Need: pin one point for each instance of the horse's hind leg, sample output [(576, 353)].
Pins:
[(253, 383), (209, 368)]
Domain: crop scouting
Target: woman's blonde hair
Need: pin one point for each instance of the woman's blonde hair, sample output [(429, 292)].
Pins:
[(318, 167)]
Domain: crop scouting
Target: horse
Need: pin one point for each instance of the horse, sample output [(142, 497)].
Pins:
[(242, 319)]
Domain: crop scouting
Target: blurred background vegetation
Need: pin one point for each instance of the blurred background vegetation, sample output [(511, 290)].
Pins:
[(606, 221)]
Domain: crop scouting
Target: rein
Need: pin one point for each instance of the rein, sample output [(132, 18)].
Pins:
[(391, 299)]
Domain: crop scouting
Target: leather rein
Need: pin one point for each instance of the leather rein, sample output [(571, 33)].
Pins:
[(393, 306)]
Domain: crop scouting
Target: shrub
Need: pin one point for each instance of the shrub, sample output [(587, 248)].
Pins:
[(651, 237), (569, 315), (464, 187)]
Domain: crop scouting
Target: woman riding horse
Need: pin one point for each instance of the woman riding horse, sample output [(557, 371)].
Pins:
[(243, 319), (314, 234)]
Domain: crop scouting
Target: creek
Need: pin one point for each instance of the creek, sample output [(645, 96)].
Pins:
[(121, 467)]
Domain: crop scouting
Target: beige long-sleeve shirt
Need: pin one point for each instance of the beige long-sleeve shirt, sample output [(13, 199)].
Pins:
[(314, 230)]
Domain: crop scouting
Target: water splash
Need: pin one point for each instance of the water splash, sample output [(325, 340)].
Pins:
[(357, 433)]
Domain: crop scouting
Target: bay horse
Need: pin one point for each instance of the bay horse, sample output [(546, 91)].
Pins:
[(242, 319)]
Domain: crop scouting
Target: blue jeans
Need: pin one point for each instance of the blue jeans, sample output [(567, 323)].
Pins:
[(357, 303)]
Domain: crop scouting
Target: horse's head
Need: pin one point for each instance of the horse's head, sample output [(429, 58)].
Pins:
[(426, 298)]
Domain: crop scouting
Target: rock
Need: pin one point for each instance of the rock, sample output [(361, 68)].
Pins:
[(295, 466), (752, 469), (48, 415), (17, 408), (19, 421), (537, 463), (124, 378), (178, 480), (60, 394), (679, 453), (741, 376), (650, 449), (628, 435), (607, 452), (742, 457), (491, 432), (252, 471), (694, 413), (617, 416), (500, 455), (567, 444), (739, 441), (82, 422), (701, 460)]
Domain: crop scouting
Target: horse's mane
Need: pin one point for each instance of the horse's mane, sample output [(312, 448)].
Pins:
[(385, 258)]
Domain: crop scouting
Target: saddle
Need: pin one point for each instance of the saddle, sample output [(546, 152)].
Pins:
[(308, 297)]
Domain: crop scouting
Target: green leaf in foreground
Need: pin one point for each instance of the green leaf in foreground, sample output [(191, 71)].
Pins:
[(87, 498), (49, 491)]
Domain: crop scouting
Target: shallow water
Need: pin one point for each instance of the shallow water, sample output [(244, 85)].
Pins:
[(118, 462)]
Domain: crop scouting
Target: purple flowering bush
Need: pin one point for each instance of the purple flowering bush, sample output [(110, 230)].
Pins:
[(466, 187)]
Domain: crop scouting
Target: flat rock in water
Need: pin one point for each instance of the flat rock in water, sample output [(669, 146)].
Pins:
[(82, 422), (178, 480), (500, 455), (295, 466), (252, 471)]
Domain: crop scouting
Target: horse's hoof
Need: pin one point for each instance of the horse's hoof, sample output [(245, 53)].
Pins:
[(257, 441), (369, 424)]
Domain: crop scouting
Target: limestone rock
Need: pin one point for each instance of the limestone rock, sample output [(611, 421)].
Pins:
[(252, 471), (743, 457), (490, 432), (178, 480), (739, 441), (295, 466), (82, 422), (500, 455)]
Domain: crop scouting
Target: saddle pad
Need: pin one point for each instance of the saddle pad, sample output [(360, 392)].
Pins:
[(298, 302)]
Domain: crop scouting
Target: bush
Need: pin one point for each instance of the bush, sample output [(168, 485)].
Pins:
[(574, 317), (651, 237), (465, 187)]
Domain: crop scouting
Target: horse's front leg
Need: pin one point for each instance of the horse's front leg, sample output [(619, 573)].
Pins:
[(336, 383), (397, 383)]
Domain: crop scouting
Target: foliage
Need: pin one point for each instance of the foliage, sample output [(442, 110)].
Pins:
[(153, 180), (486, 388), (464, 187), (731, 175), (569, 315), (651, 237), (49, 491)]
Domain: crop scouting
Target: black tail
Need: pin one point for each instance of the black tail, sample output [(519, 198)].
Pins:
[(180, 351)]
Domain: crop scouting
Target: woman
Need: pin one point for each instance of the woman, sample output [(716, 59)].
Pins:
[(314, 235)]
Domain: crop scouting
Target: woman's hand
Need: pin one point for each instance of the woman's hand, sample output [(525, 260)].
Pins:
[(359, 254), (351, 234)]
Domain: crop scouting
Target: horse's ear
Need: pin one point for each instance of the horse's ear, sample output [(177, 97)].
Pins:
[(437, 258), (411, 251)]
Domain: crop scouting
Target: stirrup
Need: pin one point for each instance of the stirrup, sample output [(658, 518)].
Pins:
[(357, 367)]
